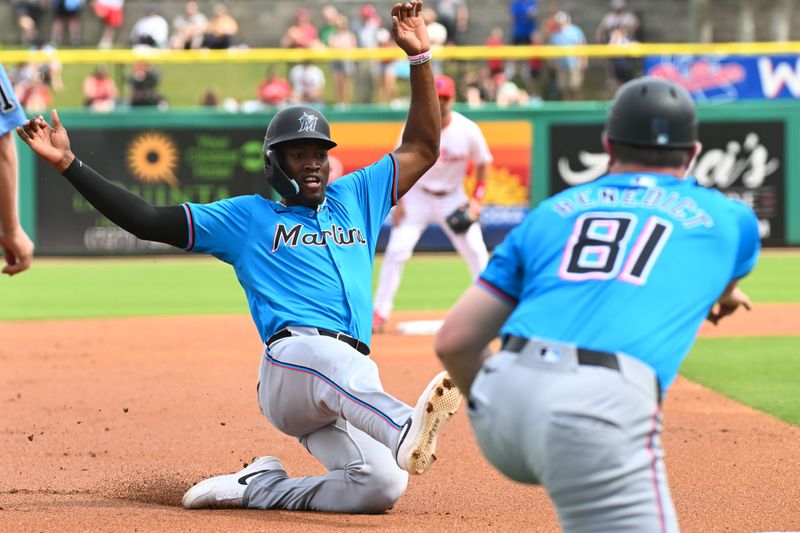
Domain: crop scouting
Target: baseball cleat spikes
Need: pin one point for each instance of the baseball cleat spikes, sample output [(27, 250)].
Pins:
[(227, 492), (436, 406)]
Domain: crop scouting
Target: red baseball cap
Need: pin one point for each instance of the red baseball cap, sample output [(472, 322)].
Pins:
[(445, 86)]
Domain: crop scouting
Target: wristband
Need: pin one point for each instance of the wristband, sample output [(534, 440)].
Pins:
[(479, 191), (419, 59)]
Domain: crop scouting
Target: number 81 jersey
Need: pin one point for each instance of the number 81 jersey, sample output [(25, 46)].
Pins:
[(626, 263)]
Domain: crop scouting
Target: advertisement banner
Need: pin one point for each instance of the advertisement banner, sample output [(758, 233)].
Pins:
[(728, 78), (174, 165), (164, 166), (744, 160)]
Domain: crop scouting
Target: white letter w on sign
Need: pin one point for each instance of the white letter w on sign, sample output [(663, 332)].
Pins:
[(773, 79)]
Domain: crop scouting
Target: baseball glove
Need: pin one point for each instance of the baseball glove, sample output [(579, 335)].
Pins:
[(460, 220)]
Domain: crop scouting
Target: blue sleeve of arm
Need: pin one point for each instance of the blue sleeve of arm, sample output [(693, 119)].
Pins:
[(11, 113), (503, 275), (749, 241), (220, 228)]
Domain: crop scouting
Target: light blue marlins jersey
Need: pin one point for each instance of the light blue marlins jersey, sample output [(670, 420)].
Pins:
[(11, 113), (627, 263), (301, 266)]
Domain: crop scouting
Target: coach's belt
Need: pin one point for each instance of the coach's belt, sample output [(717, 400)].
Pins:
[(585, 356), (512, 343), (347, 339), (434, 193)]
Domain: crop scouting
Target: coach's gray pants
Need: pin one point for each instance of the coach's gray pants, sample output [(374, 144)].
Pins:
[(588, 434)]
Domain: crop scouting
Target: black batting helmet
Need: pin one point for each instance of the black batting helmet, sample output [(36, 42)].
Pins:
[(652, 113), (292, 123)]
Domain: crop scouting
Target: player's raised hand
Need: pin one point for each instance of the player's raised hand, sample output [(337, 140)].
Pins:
[(408, 28), (51, 143)]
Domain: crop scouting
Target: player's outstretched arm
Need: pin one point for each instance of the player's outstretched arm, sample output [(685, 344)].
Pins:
[(14, 242), (462, 342), (419, 147), (123, 208)]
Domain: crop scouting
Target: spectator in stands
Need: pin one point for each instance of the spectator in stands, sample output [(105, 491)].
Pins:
[(367, 72), (523, 20), (274, 90), (152, 30), (143, 84), (111, 13), (330, 17), (437, 35), (29, 15), (569, 70), (621, 69), (210, 98), (35, 95), (523, 27), (221, 30), (454, 16), (508, 93), (387, 86), (301, 34), (479, 86), (308, 83), (546, 29), (617, 18), (49, 72), (66, 13), (618, 26), (188, 27), (99, 91), (497, 65), (342, 70), (437, 32)]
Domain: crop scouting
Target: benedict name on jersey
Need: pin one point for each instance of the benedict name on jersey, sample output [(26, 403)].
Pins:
[(681, 208), (292, 237)]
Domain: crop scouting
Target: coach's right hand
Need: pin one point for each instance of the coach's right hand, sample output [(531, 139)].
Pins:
[(51, 143)]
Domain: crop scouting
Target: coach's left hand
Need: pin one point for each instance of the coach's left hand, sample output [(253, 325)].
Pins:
[(49, 143)]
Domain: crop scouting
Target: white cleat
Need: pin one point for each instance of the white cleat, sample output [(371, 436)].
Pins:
[(226, 492), (437, 405)]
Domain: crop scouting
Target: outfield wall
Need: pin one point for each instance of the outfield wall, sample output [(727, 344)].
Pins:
[(201, 155)]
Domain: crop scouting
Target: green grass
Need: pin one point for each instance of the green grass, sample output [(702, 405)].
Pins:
[(761, 372), (114, 287), (75, 288), (82, 288), (775, 278)]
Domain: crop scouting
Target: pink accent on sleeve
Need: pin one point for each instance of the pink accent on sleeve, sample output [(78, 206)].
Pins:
[(190, 224), (396, 166), (505, 297)]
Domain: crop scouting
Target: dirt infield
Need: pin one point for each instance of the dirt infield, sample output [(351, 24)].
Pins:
[(106, 422)]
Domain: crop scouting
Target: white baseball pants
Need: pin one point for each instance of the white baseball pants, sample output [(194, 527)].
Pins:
[(422, 209)]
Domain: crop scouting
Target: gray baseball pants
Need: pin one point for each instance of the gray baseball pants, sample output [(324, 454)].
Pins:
[(330, 397), (588, 434)]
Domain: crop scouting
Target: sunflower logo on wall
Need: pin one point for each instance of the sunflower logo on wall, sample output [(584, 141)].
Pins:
[(152, 157)]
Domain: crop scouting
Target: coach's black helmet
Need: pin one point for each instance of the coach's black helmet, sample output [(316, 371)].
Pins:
[(652, 113), (292, 123)]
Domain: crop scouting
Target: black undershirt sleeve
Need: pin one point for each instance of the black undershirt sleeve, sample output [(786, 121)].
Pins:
[(128, 211)]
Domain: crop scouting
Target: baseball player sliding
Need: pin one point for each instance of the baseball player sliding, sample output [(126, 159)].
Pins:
[(305, 264), (436, 196), (598, 295)]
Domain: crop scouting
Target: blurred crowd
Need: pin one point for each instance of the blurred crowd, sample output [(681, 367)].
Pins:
[(339, 82)]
